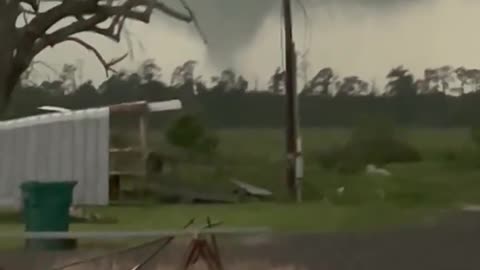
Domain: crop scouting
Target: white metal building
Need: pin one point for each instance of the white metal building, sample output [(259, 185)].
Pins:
[(70, 146), (63, 146)]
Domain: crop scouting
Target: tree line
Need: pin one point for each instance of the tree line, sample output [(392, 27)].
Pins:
[(444, 97)]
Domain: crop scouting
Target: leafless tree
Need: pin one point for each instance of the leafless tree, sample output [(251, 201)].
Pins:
[(27, 27)]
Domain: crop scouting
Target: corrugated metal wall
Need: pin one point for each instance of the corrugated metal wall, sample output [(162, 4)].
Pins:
[(57, 147)]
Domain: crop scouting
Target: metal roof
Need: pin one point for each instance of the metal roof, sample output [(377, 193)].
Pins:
[(92, 113), (54, 117)]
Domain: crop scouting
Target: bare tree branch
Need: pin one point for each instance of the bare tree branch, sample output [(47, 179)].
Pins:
[(45, 20), (42, 63), (172, 12), (31, 69), (108, 66), (118, 14), (28, 41), (63, 33), (194, 20), (24, 15), (26, 11), (34, 4)]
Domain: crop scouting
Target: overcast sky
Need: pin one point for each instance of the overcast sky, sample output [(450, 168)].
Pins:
[(361, 37)]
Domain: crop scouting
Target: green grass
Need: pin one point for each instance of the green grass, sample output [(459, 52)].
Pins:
[(257, 156), (280, 217), (309, 217), (414, 192)]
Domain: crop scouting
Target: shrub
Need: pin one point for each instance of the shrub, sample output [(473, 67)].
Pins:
[(372, 142), (329, 157), (207, 144), (188, 133), (185, 132)]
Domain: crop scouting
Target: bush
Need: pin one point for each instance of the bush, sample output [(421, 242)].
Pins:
[(188, 133), (372, 142), (207, 144), (330, 157), (185, 132)]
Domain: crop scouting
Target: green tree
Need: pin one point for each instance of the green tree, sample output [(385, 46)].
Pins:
[(185, 132), (277, 82), (189, 134), (321, 82), (401, 82)]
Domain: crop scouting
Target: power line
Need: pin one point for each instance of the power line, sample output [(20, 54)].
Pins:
[(308, 24), (282, 39), (307, 31)]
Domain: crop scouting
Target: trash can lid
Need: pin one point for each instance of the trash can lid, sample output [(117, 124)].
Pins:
[(36, 184)]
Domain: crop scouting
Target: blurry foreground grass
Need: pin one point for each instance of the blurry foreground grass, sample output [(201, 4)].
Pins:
[(306, 217), (281, 218)]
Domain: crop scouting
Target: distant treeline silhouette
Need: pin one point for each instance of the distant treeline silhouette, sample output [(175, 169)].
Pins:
[(446, 97)]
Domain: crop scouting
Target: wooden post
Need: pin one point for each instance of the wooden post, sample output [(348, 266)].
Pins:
[(143, 137), (114, 183), (291, 93)]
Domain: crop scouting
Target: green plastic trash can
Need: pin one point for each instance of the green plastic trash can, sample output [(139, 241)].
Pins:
[(46, 209)]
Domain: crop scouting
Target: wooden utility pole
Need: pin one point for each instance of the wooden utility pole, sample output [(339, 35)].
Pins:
[(293, 183)]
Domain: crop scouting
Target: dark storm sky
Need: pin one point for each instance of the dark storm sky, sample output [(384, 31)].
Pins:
[(363, 37)]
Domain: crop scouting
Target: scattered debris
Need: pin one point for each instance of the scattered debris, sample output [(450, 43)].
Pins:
[(187, 195), (245, 189), (340, 191), (471, 208), (80, 215), (373, 170), (54, 109)]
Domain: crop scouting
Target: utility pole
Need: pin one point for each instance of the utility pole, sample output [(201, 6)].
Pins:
[(292, 139)]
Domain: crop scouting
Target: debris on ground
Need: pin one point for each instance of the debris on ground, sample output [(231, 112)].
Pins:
[(374, 170), (471, 208), (78, 214), (340, 191), (247, 190), (179, 194)]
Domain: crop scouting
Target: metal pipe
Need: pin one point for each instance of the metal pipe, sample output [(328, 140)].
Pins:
[(132, 234)]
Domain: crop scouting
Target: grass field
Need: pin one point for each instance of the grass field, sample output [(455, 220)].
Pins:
[(448, 176), (257, 156)]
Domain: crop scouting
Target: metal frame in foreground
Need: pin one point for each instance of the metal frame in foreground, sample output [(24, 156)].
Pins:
[(134, 234)]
